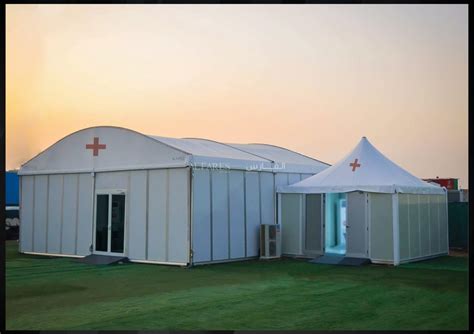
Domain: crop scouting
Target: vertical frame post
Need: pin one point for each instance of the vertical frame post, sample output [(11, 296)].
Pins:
[(396, 230)]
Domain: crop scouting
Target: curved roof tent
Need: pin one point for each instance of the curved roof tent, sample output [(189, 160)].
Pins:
[(364, 169), (128, 149)]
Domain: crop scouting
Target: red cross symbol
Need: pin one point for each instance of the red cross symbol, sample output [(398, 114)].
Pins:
[(354, 165), (96, 146)]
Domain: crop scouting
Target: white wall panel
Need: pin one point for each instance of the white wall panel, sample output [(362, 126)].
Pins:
[(68, 239), (381, 226), (313, 225), (357, 217), (291, 224), (220, 215), (54, 213), (267, 198), (178, 217), (157, 215), (111, 180), (425, 225), (137, 215), (236, 214), (201, 216), (84, 218), (281, 179), (415, 250), (26, 213), (434, 225), (443, 223), (252, 202), (293, 178), (27, 217), (40, 212), (404, 226)]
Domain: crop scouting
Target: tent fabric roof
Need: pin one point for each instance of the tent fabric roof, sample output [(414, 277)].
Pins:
[(277, 154), (372, 172), (207, 152), (207, 148), (76, 153)]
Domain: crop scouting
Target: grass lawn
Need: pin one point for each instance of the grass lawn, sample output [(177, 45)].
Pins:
[(58, 293)]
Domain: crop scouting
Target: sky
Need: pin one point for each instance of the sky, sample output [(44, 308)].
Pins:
[(311, 78)]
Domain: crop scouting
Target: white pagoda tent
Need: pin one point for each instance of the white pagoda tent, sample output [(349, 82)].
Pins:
[(364, 206)]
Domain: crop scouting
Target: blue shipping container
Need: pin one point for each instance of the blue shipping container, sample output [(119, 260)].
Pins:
[(12, 189)]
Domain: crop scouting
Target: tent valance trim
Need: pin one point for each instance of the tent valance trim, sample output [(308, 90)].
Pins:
[(289, 168), (101, 170), (389, 189)]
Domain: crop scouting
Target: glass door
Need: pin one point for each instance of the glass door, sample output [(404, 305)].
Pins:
[(117, 223), (102, 223), (110, 224)]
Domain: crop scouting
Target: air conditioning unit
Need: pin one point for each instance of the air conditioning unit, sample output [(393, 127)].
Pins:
[(270, 241)]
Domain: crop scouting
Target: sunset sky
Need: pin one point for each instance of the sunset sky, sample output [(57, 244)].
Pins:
[(311, 78)]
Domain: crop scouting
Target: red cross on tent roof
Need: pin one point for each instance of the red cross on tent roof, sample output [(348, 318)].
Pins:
[(96, 146), (354, 165)]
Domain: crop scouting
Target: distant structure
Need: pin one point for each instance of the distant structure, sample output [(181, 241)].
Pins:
[(11, 188), (449, 182), (12, 223), (458, 211)]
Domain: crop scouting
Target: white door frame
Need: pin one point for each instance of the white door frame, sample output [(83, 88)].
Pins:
[(110, 192), (323, 224)]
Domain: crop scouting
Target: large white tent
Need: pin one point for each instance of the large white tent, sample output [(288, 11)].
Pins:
[(114, 191), (364, 206)]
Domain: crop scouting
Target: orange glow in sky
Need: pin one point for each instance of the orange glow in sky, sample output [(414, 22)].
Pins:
[(312, 78)]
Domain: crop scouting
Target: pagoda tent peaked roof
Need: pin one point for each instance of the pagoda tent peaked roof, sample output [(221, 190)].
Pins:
[(364, 169)]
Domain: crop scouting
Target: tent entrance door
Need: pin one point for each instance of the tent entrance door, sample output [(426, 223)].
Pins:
[(109, 229), (335, 224), (356, 225)]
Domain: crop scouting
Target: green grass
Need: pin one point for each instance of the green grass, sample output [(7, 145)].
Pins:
[(59, 293)]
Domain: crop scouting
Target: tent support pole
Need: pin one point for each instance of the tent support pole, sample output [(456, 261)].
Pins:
[(396, 229), (190, 226), (447, 218), (279, 210)]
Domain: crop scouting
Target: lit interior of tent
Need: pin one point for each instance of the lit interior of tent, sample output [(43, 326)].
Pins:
[(335, 221)]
